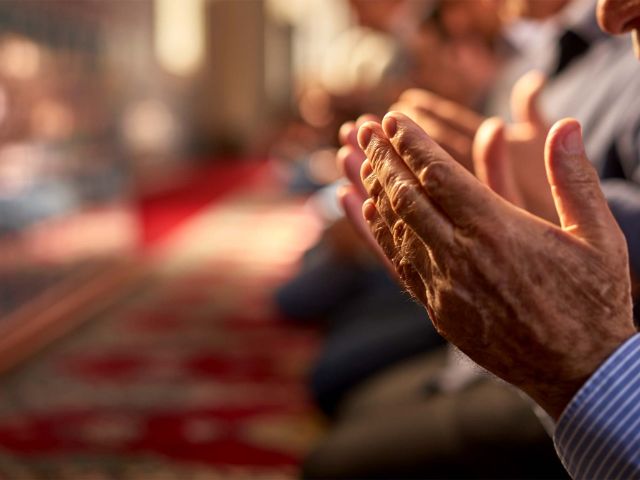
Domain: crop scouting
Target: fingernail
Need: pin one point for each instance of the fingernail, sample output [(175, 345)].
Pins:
[(390, 126), (572, 141), (368, 210), (364, 137)]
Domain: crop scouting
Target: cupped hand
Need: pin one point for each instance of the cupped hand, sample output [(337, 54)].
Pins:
[(468, 138), (525, 143), (349, 160), (450, 124), (540, 305)]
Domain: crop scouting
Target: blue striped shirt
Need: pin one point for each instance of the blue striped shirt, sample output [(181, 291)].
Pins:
[(598, 435)]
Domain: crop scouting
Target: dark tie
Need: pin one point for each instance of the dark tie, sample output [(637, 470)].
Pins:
[(571, 46)]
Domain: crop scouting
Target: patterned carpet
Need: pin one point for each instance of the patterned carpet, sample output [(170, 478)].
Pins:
[(192, 375)]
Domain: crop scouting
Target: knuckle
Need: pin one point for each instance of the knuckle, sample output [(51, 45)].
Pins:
[(378, 229), (399, 230), (401, 196), (382, 238), (404, 141), (433, 173), (410, 145), (372, 185), (398, 262), (385, 209), (377, 151), (586, 175)]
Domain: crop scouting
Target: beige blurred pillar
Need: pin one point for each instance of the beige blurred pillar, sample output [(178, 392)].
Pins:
[(230, 98)]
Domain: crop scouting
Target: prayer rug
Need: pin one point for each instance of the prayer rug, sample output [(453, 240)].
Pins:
[(192, 375)]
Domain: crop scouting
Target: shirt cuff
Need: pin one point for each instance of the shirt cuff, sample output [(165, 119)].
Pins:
[(598, 434)]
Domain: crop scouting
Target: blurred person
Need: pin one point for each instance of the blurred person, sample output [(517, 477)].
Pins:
[(547, 308), (600, 58), (457, 51), (582, 88), (355, 293), (341, 352), (603, 59)]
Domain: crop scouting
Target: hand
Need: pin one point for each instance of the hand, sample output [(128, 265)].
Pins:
[(512, 157), (349, 159), (525, 143), (450, 124), (539, 305), (463, 134)]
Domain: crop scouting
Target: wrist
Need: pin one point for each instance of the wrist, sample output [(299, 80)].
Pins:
[(555, 395)]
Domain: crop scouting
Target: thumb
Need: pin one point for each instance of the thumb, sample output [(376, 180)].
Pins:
[(580, 203), (524, 99), (491, 162)]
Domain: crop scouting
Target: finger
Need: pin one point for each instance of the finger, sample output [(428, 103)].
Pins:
[(352, 202), (524, 99), (367, 117), (401, 266), (376, 192), (465, 202), (348, 131), (349, 162), (413, 249), (456, 144), (369, 180), (580, 203), (456, 116), (407, 242), (386, 212), (402, 189), (347, 134), (491, 163)]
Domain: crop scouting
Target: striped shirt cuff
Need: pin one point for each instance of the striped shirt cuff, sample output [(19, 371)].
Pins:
[(598, 435)]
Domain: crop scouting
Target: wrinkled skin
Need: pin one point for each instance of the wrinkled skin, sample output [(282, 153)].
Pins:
[(460, 131), (539, 305), (617, 17)]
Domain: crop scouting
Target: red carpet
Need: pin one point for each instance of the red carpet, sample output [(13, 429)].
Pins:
[(193, 375), (163, 211)]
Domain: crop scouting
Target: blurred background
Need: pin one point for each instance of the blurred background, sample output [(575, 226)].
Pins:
[(154, 175)]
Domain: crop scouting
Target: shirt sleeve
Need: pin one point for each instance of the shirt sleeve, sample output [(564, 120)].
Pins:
[(598, 435)]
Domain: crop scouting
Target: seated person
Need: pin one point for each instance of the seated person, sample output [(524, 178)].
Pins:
[(454, 383), (343, 287), (547, 308)]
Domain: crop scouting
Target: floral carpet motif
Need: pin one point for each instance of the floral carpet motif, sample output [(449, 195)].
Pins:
[(193, 375)]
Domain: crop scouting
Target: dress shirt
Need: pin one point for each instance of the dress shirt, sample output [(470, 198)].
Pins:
[(598, 434)]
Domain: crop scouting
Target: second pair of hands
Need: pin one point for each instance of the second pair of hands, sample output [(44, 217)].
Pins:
[(507, 158), (540, 305)]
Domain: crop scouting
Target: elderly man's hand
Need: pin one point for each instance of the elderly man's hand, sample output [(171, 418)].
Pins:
[(463, 133), (539, 305), (350, 158), (450, 124)]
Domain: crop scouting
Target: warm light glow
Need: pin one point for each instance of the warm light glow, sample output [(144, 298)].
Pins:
[(149, 126), (17, 167), (19, 57), (51, 119), (4, 104), (180, 35)]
